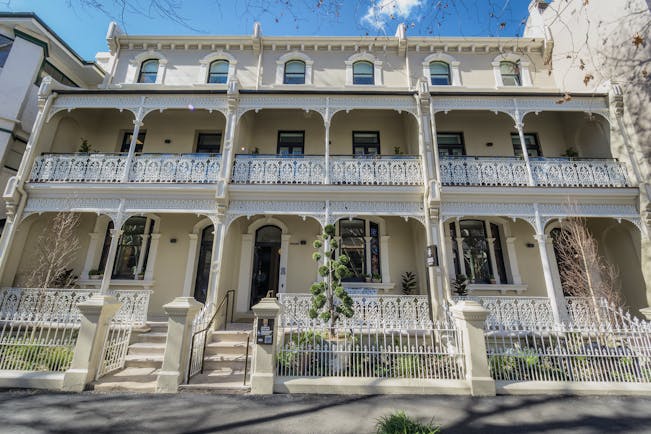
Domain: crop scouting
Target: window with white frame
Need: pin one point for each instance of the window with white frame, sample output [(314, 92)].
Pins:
[(294, 72), (148, 71), (218, 72), (360, 241), (363, 73), (477, 251), (439, 73), (133, 248), (510, 72)]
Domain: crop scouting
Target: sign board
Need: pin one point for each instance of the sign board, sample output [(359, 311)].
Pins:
[(432, 256), (265, 332)]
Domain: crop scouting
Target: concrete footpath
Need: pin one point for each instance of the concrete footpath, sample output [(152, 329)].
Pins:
[(48, 412)]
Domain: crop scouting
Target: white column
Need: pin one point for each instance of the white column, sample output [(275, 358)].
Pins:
[(191, 264), (450, 258), (513, 261), (384, 258), (244, 280), (432, 155), (434, 273), (143, 247), (284, 253), (520, 127), (228, 155), (151, 258), (110, 260), (91, 255), (327, 151), (559, 310), (137, 123), (216, 261), (367, 256)]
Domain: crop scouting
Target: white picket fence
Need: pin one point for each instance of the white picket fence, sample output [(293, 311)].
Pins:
[(355, 349)]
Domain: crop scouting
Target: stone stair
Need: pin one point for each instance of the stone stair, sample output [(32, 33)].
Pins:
[(225, 361), (143, 361)]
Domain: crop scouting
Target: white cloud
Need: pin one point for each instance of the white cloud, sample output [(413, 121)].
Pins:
[(381, 12)]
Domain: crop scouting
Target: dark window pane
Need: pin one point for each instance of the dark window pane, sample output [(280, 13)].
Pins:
[(294, 72), (129, 248), (530, 140), (366, 143), (291, 142), (105, 248), (374, 233), (450, 144), (148, 71), (363, 73), (126, 141), (455, 250), (476, 255), (499, 254), (439, 73), (5, 48), (353, 245), (209, 143), (218, 72)]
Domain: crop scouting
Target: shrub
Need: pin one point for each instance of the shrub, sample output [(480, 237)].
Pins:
[(400, 423)]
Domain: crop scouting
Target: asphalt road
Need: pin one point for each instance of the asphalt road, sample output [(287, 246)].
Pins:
[(47, 412)]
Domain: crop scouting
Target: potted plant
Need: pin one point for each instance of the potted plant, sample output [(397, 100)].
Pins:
[(255, 151), (408, 282), (367, 278), (492, 280), (570, 153), (84, 148), (376, 278), (460, 285), (397, 150), (95, 274)]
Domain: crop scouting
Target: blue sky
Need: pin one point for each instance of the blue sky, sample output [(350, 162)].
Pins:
[(84, 28)]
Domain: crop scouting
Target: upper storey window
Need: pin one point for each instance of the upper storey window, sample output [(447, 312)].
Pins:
[(148, 71), (510, 72), (5, 48), (439, 73), (294, 72), (218, 72), (363, 73)]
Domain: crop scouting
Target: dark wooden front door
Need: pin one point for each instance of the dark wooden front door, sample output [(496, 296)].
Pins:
[(266, 263), (203, 265)]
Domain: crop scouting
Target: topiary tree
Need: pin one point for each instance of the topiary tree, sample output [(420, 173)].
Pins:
[(329, 298)]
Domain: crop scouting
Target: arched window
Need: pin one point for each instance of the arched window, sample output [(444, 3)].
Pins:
[(360, 241), (481, 257), (439, 73), (133, 248), (218, 72), (148, 71), (363, 73), (510, 72), (294, 72)]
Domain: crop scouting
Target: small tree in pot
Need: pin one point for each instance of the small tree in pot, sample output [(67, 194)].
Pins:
[(329, 298)]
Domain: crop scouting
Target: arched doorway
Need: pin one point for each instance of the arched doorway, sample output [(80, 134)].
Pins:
[(266, 262), (203, 264)]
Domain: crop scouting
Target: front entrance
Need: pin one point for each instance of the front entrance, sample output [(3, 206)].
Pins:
[(266, 263), (203, 265)]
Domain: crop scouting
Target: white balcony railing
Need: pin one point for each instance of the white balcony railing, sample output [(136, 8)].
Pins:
[(547, 172), (110, 168), (307, 169)]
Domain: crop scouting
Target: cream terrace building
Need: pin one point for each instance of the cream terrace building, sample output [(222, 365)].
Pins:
[(215, 161)]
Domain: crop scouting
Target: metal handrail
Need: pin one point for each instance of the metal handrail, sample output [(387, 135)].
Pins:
[(225, 299), (246, 358)]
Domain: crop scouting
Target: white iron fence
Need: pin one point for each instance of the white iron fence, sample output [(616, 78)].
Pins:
[(39, 327), (353, 349), (401, 312), (618, 351), (311, 169), (110, 168), (547, 172)]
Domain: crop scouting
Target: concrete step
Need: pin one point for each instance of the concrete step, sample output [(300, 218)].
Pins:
[(239, 326), (128, 380), (218, 381), (157, 326), (234, 362), (143, 361), (230, 336), (146, 348), (153, 337), (227, 348)]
